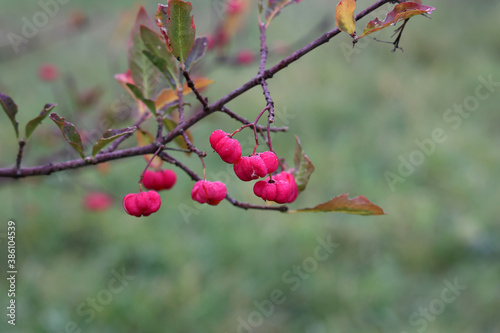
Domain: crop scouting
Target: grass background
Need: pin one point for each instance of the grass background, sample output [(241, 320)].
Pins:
[(356, 112)]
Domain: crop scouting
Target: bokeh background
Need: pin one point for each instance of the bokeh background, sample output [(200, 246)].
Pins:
[(191, 268)]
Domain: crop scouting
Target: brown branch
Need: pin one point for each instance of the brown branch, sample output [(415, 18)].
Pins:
[(216, 106)]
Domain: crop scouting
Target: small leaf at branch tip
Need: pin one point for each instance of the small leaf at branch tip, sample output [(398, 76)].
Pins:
[(10, 109), (401, 12), (344, 16), (359, 205), (69, 132), (109, 136), (33, 123)]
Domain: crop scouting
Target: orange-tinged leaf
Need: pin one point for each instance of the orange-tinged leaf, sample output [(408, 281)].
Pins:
[(167, 96), (145, 138), (400, 12), (344, 16), (359, 205)]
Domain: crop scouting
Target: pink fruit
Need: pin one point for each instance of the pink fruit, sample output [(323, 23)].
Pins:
[(229, 149), (212, 193), (159, 180), (142, 203)]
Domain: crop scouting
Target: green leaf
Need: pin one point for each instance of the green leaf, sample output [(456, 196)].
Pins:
[(163, 66), (400, 12), (342, 204), (144, 74), (197, 52), (33, 123), (344, 16), (303, 166), (170, 124), (178, 27), (109, 136), (10, 109), (138, 94), (69, 132), (157, 53)]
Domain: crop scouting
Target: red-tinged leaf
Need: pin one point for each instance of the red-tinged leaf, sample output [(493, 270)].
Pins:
[(178, 27), (109, 136), (144, 74), (167, 96), (33, 123), (10, 109), (145, 138), (303, 166), (342, 204), (197, 52), (344, 16), (69, 132), (401, 12)]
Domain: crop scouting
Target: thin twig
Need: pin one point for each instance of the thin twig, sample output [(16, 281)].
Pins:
[(110, 154)]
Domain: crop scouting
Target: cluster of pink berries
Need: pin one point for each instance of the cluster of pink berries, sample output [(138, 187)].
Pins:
[(146, 203), (280, 188)]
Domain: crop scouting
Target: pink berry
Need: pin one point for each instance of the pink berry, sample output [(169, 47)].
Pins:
[(212, 193), (97, 201), (159, 180), (253, 167), (245, 57), (216, 136), (48, 72), (142, 204), (229, 149), (271, 161), (273, 190), (290, 179), (234, 7)]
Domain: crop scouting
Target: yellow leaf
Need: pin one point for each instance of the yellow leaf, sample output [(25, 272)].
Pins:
[(344, 16), (167, 96), (143, 139)]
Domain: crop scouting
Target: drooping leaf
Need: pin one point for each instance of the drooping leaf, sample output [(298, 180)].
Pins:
[(144, 74), (344, 16), (178, 27), (10, 109), (157, 53), (274, 7), (138, 94), (303, 166), (145, 138), (167, 96), (69, 132), (33, 123), (359, 205), (109, 136), (197, 52), (170, 124), (400, 12)]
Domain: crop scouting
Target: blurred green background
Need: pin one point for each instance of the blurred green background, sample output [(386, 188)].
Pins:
[(192, 268)]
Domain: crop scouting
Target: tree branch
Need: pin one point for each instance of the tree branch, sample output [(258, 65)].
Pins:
[(109, 155)]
